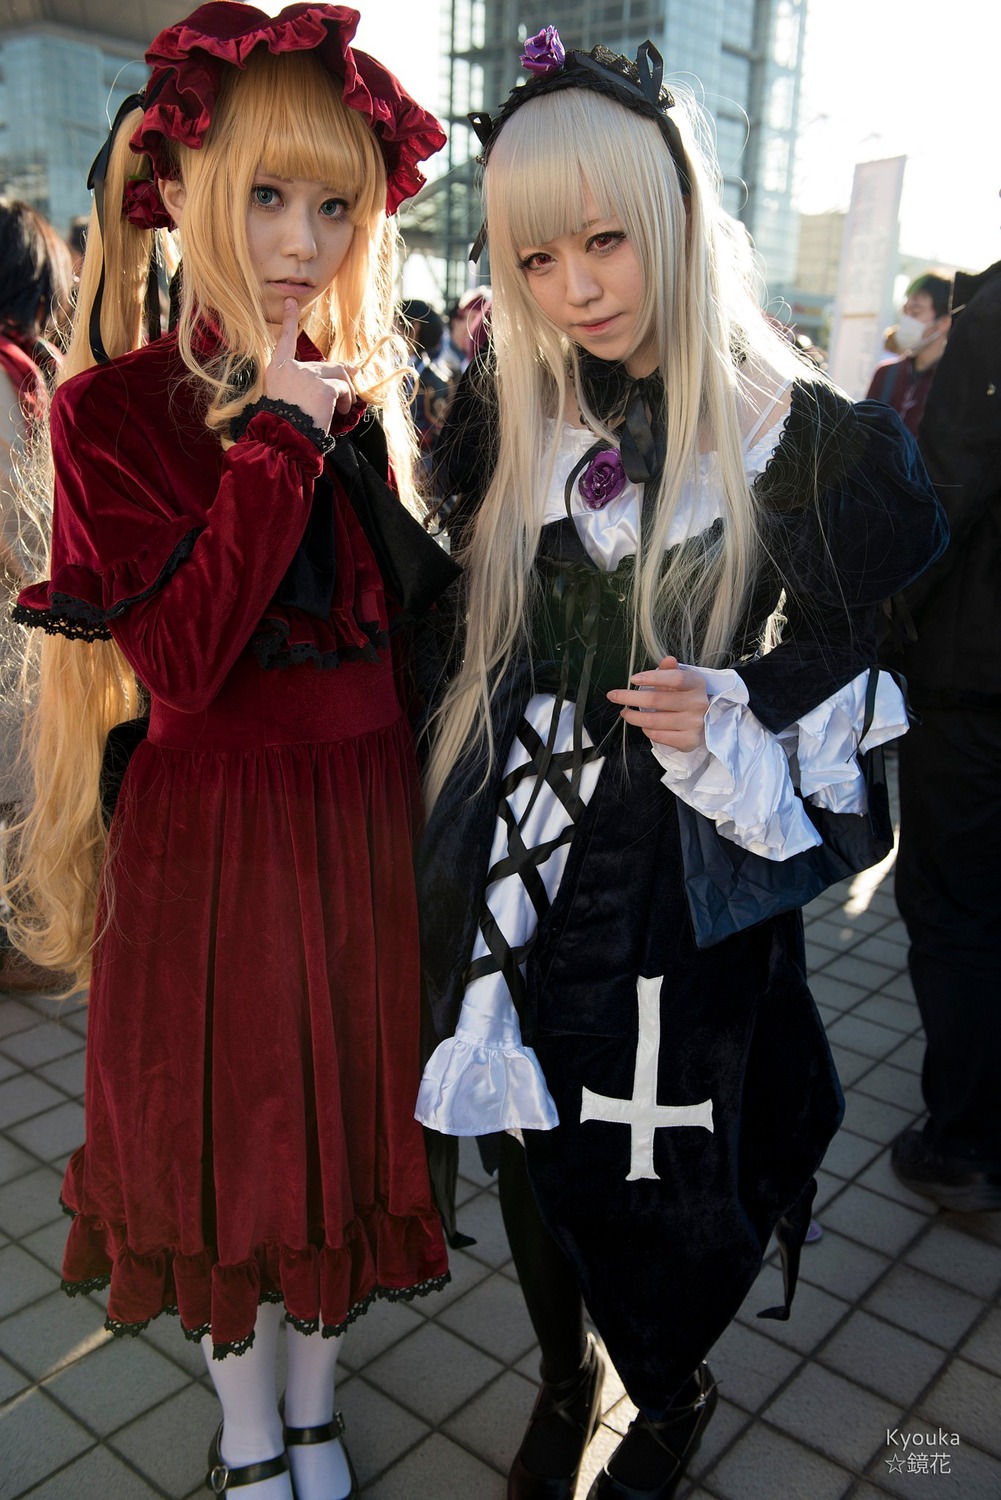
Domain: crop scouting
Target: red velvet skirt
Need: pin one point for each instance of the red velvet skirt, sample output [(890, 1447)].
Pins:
[(252, 1057)]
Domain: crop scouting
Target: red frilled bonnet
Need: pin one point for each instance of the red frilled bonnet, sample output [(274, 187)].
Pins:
[(187, 61)]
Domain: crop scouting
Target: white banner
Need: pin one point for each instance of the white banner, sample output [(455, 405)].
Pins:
[(863, 306)]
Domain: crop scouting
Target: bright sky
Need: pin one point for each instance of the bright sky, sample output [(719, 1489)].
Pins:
[(882, 78)]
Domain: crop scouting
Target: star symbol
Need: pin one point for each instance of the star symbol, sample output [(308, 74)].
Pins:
[(895, 1464)]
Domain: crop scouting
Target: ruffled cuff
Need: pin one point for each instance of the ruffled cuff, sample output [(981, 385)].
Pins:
[(483, 1079), (827, 739), (741, 780)]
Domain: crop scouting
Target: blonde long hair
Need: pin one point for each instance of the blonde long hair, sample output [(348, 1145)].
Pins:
[(715, 351), (284, 113)]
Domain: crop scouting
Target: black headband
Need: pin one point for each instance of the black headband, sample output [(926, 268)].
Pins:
[(635, 85)]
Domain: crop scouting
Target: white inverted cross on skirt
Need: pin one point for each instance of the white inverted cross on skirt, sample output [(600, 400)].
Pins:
[(642, 1113)]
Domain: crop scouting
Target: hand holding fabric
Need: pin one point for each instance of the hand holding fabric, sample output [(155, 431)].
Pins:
[(668, 703)]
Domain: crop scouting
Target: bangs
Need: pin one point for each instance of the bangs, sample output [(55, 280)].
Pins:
[(543, 160), (292, 121)]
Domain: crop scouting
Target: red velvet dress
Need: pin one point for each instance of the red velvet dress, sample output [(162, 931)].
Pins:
[(252, 1059)]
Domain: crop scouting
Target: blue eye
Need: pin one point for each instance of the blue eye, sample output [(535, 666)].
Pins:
[(264, 196), (334, 208)]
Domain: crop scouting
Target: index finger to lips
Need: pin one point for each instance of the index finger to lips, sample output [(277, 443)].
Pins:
[(288, 333)]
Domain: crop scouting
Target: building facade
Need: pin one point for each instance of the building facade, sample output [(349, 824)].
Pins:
[(742, 58), (65, 67)]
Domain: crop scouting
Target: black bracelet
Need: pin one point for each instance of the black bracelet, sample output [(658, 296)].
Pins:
[(292, 414)]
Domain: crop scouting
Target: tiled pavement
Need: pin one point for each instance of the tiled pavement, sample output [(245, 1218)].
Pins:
[(896, 1323)]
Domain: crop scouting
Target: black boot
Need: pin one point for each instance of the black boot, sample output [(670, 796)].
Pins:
[(652, 1456), (577, 1402)]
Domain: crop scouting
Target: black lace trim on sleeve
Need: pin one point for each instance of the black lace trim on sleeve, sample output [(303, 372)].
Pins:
[(821, 441), (270, 646), (78, 620), (294, 415)]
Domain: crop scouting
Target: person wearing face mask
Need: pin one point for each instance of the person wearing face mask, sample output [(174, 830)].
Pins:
[(920, 335)]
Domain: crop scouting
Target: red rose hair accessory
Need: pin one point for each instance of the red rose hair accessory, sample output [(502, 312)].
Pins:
[(143, 206), (187, 62)]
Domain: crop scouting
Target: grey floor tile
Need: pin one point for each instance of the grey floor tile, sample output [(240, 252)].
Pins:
[(883, 1358), (728, 1424), (98, 1475), (863, 1036), (379, 1431), (826, 1412), (871, 977), (750, 1367), (15, 1016), (115, 1384), (967, 1400), (53, 1134), (11, 1381), (7, 1068), (983, 1347), (441, 1468), (169, 1444), (894, 1085), (848, 1154), (51, 1333), (383, 1325), (13, 1161), (764, 1465), (882, 949), (66, 1074), (494, 1317), (466, 1273), (959, 1259), (898, 1015), (910, 1054), (30, 1201), (967, 1474), (459, 1372), (49, 1242), (814, 1312), (900, 987), (875, 1118), (829, 988), (828, 1187), (878, 1222), (164, 1333), (924, 1306), (493, 1423), (35, 1439), (879, 1177), (41, 1043), (841, 1266), (851, 1066), (24, 1096), (23, 1279), (482, 1217)]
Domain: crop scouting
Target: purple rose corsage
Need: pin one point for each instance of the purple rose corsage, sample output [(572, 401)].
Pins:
[(544, 52), (603, 480)]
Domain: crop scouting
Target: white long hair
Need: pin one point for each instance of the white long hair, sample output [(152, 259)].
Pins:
[(718, 356)]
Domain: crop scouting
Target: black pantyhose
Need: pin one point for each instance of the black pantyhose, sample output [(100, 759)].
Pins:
[(552, 1296)]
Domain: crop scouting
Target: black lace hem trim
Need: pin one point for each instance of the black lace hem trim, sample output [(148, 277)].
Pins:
[(290, 413), (270, 647), (78, 620), (120, 1330)]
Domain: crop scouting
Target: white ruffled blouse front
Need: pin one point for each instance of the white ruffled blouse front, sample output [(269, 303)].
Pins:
[(483, 1079)]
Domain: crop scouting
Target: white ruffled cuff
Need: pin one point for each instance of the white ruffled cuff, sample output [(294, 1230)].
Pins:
[(741, 780), (483, 1079), (827, 739)]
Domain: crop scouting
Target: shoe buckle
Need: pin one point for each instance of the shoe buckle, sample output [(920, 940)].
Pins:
[(218, 1478)]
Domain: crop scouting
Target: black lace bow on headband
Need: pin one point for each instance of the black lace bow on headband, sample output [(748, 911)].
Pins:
[(637, 85)]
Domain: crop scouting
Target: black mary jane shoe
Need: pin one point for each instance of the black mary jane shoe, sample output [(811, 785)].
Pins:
[(677, 1433), (557, 1399), (326, 1432), (223, 1476)]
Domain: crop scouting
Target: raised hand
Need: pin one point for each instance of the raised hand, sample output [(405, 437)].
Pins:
[(668, 703), (318, 388)]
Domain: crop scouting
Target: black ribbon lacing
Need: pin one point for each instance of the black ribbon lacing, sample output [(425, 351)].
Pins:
[(95, 181)]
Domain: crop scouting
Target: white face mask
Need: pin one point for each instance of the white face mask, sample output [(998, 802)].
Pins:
[(912, 333)]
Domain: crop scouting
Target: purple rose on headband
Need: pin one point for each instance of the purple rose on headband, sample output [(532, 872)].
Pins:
[(603, 480), (544, 52)]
